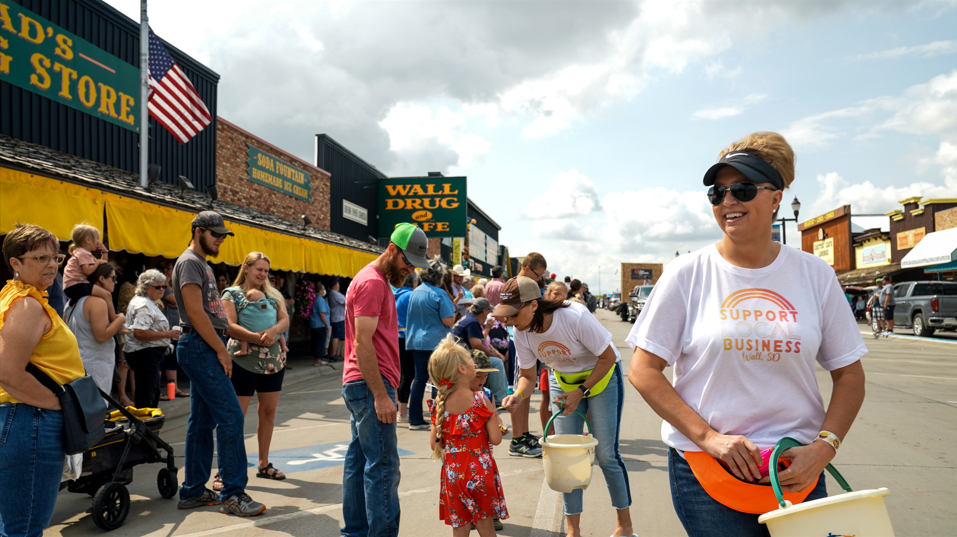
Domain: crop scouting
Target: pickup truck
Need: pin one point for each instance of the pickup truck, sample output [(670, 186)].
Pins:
[(925, 307), (629, 311)]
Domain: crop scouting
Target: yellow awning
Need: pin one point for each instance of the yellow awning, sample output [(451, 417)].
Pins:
[(51, 204), (141, 227), (156, 230)]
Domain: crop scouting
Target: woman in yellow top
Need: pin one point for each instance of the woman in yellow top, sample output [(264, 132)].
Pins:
[(31, 424)]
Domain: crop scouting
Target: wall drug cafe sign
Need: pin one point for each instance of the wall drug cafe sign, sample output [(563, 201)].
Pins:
[(269, 171), (43, 58), (435, 204)]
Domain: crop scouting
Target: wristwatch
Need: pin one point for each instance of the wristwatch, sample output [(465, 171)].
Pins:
[(584, 390)]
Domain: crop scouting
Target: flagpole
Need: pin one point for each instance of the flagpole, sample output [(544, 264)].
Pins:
[(144, 93)]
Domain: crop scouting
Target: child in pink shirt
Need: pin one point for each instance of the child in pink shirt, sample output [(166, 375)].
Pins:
[(82, 263)]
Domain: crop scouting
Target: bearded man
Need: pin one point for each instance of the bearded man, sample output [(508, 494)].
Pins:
[(370, 376)]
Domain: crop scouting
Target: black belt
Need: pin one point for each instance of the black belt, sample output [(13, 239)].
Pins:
[(189, 330)]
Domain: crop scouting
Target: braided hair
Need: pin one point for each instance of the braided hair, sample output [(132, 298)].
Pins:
[(444, 366)]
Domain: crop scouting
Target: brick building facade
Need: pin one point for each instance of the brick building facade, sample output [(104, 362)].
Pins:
[(913, 221), (234, 185)]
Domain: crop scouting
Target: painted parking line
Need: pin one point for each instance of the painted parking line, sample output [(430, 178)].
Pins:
[(906, 337), (914, 376), (308, 458)]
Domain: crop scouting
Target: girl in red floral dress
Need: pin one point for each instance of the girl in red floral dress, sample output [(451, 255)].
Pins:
[(465, 426)]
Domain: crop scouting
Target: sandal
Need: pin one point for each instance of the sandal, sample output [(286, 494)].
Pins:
[(163, 397), (126, 402), (276, 474), (218, 483), (181, 394)]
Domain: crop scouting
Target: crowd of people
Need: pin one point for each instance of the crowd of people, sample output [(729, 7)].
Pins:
[(431, 348)]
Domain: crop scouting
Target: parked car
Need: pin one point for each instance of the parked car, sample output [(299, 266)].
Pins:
[(612, 302), (629, 311), (926, 306)]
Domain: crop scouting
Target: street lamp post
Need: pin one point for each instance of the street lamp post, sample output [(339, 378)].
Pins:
[(796, 206)]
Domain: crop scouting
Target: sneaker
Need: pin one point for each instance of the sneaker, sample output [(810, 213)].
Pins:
[(498, 524), (522, 448), (241, 505), (208, 498), (533, 440), (402, 419), (420, 427)]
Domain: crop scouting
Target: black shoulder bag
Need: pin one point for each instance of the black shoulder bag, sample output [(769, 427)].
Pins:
[(84, 410)]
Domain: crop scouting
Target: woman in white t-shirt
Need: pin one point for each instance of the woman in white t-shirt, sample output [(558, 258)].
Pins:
[(743, 322), (587, 377)]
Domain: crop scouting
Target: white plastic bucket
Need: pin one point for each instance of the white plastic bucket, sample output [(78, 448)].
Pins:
[(859, 514), (568, 458), (853, 514)]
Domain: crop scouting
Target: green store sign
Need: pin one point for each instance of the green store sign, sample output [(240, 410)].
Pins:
[(45, 59), (435, 204), (269, 171)]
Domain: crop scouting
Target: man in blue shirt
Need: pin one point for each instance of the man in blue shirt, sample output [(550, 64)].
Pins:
[(406, 359)]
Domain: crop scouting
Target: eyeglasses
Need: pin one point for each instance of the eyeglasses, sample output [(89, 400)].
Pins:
[(45, 258), (114, 277), (740, 191), (404, 258), (520, 308), (215, 235), (158, 287), (540, 276)]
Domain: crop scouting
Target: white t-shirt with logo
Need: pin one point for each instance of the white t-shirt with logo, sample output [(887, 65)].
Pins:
[(743, 342), (570, 345)]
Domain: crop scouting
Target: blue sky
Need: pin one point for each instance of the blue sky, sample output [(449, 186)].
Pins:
[(585, 127)]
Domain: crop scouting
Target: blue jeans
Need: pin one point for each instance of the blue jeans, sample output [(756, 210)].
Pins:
[(702, 515), (370, 477), (320, 336), (497, 383), (418, 386), (604, 412), (212, 405), (31, 463)]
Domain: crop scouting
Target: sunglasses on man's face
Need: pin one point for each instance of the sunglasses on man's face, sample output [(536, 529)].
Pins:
[(216, 235), (404, 258), (740, 191)]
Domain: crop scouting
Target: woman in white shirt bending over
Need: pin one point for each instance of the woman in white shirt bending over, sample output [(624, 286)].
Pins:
[(743, 322), (586, 376)]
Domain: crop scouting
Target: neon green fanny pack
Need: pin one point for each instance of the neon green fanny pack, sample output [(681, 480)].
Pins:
[(570, 381)]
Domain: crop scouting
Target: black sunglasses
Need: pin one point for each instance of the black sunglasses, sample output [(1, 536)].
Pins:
[(740, 191), (158, 287), (214, 234), (404, 258)]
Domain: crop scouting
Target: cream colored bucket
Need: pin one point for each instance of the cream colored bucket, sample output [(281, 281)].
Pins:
[(568, 458), (853, 514)]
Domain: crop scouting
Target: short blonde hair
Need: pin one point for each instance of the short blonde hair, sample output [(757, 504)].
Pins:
[(80, 233), (770, 147)]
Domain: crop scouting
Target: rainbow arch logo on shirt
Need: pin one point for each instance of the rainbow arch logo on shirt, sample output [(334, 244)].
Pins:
[(553, 348), (747, 294)]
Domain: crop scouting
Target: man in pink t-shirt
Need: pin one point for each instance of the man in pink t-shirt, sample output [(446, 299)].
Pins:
[(494, 288), (370, 375)]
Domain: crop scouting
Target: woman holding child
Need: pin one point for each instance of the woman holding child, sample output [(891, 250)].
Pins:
[(257, 320)]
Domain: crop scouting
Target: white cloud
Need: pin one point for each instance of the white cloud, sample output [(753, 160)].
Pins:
[(654, 222), (929, 108), (717, 68), (570, 194), (928, 50), (563, 229), (866, 198), (718, 113), (415, 132)]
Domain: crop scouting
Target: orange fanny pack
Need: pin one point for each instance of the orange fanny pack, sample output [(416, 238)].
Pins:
[(731, 492)]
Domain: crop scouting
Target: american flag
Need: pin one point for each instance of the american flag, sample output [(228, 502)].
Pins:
[(173, 100)]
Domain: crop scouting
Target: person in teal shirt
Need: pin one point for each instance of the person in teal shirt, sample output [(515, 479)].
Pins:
[(319, 322)]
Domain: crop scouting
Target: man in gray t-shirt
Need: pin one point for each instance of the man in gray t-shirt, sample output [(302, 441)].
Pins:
[(337, 318), (213, 405), (888, 303)]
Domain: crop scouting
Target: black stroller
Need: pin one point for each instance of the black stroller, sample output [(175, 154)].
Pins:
[(108, 467)]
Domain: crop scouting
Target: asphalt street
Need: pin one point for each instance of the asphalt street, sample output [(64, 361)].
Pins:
[(903, 439)]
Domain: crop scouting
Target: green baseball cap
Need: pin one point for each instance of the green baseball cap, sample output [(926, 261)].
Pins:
[(412, 240)]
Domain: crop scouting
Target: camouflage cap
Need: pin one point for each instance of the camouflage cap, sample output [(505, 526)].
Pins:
[(482, 362)]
